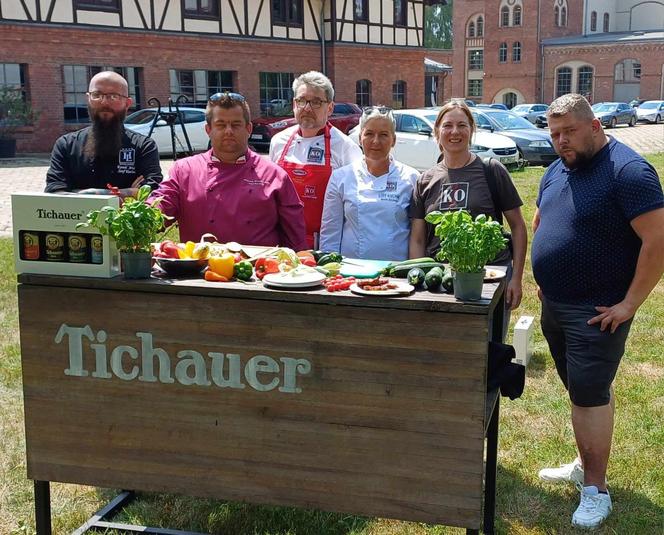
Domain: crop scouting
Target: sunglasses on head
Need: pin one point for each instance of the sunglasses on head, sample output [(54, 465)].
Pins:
[(226, 95), (383, 110)]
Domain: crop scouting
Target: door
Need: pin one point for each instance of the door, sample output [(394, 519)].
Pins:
[(509, 99)]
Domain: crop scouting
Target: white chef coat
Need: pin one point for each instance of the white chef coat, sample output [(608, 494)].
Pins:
[(311, 150), (366, 216)]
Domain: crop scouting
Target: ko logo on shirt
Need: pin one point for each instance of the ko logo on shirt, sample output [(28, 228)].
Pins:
[(310, 191), (315, 154), (454, 196), (127, 156)]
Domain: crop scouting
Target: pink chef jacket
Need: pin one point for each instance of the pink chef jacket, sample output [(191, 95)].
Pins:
[(252, 202)]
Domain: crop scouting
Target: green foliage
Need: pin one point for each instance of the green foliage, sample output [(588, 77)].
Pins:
[(467, 244), (438, 26), (14, 112), (133, 226)]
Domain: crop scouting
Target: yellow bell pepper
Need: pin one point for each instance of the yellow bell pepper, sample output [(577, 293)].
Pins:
[(222, 265), (189, 249)]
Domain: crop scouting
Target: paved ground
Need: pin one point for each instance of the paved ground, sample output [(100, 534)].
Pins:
[(26, 174)]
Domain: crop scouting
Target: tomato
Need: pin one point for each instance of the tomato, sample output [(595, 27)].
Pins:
[(311, 262)]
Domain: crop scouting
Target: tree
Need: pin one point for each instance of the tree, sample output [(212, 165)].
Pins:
[(438, 26)]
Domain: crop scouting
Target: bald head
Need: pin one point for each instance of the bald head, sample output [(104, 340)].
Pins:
[(109, 78)]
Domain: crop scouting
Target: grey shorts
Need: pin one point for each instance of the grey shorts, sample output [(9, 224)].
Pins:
[(586, 358)]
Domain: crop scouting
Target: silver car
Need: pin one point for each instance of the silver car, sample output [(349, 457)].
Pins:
[(651, 111), (530, 111)]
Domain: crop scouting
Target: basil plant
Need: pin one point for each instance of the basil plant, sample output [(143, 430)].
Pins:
[(466, 243)]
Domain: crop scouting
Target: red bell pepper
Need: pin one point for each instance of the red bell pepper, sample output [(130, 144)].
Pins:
[(264, 266)]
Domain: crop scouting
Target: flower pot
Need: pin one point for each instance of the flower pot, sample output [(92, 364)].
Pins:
[(7, 148), (468, 286), (137, 265)]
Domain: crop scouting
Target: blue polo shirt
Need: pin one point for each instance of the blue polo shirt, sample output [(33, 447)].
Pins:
[(584, 250)]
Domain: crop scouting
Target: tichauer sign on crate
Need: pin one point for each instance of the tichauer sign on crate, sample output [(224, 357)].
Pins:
[(343, 403)]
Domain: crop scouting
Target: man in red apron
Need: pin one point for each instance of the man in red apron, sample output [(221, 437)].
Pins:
[(313, 148)]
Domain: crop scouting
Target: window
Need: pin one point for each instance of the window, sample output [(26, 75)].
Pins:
[(482, 121), (276, 92), (516, 52), (516, 17), (343, 109), (593, 21), (585, 82), (76, 82), (12, 76), (502, 53), (606, 23), (400, 12), (363, 93), (411, 124), (201, 8), (563, 16), (98, 5), (504, 16), (563, 81), (361, 10), (198, 85), (287, 12), (480, 27), (471, 29), (475, 60), (399, 95), (475, 88), (636, 70), (556, 15)]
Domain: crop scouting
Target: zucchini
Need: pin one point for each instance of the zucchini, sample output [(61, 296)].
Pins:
[(448, 281), (329, 258), (416, 277), (401, 270), (411, 261), (433, 279)]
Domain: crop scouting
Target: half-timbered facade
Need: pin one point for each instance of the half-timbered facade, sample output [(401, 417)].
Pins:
[(372, 50)]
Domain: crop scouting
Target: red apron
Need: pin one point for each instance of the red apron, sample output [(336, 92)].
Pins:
[(310, 183)]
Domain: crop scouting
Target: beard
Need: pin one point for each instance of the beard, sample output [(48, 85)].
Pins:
[(579, 160), (105, 137)]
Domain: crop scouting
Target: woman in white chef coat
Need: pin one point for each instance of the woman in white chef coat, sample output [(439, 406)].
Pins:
[(365, 213)]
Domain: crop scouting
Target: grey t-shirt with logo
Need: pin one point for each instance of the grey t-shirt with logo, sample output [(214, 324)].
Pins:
[(465, 188)]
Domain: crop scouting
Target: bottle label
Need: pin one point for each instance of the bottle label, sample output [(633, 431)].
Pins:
[(97, 249), (30, 246), (78, 247), (55, 247)]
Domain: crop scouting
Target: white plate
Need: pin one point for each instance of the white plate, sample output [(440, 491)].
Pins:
[(284, 280), (402, 289), (493, 274)]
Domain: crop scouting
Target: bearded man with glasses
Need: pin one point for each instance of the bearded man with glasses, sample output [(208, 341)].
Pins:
[(104, 154), (230, 191), (310, 150)]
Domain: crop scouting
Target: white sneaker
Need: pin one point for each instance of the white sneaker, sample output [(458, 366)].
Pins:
[(572, 472), (593, 509)]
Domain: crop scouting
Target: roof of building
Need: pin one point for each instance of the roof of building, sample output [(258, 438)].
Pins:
[(435, 66), (603, 38)]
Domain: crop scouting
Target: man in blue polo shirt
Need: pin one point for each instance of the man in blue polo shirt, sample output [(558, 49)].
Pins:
[(596, 255)]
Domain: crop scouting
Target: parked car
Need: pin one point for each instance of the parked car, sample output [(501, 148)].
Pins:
[(611, 114), (530, 111), (345, 116), (637, 102), (277, 107), (651, 111), (534, 145), (416, 146), (194, 123), (541, 121), (495, 105)]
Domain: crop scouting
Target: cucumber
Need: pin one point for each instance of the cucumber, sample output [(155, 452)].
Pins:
[(411, 261), (329, 258), (401, 270), (416, 277), (433, 279)]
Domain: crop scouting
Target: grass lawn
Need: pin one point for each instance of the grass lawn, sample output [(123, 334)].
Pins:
[(535, 432)]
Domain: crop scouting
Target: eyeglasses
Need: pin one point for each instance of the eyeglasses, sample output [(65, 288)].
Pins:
[(113, 97), (315, 103), (227, 95), (383, 110)]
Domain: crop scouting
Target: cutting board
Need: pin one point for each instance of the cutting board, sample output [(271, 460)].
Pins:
[(362, 269)]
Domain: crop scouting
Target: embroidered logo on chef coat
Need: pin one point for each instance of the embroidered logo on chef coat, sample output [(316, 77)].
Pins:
[(390, 185), (253, 181), (126, 161), (310, 192), (454, 196), (315, 154)]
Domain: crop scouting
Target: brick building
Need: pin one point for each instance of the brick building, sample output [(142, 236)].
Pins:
[(375, 51)]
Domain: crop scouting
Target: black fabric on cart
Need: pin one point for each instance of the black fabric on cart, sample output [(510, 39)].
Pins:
[(503, 373)]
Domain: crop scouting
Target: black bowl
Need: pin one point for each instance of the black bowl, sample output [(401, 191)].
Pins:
[(182, 267)]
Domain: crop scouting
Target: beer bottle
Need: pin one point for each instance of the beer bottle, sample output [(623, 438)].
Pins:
[(55, 247)]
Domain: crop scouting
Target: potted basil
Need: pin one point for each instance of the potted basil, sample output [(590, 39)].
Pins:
[(467, 244), (134, 227)]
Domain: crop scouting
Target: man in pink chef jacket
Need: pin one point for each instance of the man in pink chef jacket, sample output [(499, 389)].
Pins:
[(230, 191)]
